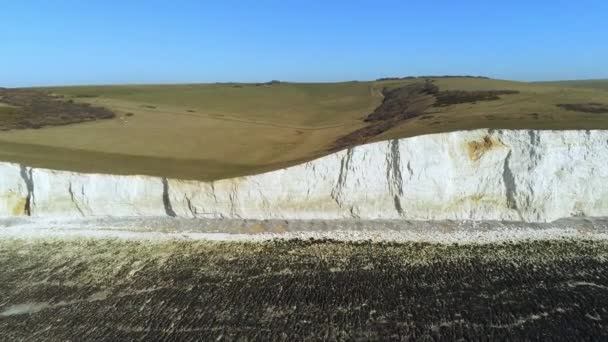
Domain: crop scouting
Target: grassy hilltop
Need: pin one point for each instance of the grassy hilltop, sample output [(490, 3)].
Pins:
[(214, 131)]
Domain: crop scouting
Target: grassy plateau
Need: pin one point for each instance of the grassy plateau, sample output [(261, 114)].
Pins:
[(214, 131)]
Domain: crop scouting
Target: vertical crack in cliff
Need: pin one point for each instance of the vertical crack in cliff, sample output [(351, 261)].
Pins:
[(354, 212), (71, 192), (336, 192), (266, 203), (534, 143), (26, 175), (409, 169), (166, 200), (214, 195), (393, 174), (510, 186), (233, 197), (191, 208), (213, 191)]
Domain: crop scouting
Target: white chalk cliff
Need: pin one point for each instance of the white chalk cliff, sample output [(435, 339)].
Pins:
[(521, 175)]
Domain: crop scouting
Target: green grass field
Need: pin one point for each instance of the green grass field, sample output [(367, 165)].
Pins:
[(214, 131)]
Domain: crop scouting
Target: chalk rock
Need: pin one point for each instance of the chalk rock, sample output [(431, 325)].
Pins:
[(14, 194), (521, 175), (59, 193)]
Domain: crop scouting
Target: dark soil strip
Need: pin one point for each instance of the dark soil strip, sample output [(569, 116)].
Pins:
[(293, 291), (590, 107), (36, 109)]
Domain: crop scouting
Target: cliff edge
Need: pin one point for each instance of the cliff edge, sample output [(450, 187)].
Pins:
[(517, 175)]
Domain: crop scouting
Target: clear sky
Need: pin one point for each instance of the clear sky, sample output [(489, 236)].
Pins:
[(149, 41)]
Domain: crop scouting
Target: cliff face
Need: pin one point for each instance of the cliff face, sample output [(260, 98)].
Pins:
[(522, 175)]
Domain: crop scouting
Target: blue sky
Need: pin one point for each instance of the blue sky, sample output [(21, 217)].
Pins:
[(149, 41)]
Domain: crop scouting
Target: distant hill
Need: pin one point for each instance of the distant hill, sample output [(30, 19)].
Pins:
[(427, 77)]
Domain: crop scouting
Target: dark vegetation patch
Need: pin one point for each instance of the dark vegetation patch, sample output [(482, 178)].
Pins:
[(451, 97), (36, 109), (84, 96), (412, 101), (303, 290), (129, 114), (589, 107), (398, 105), (404, 103), (149, 106), (270, 83)]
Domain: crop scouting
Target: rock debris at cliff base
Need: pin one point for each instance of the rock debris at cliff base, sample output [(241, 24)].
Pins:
[(320, 290), (349, 230)]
